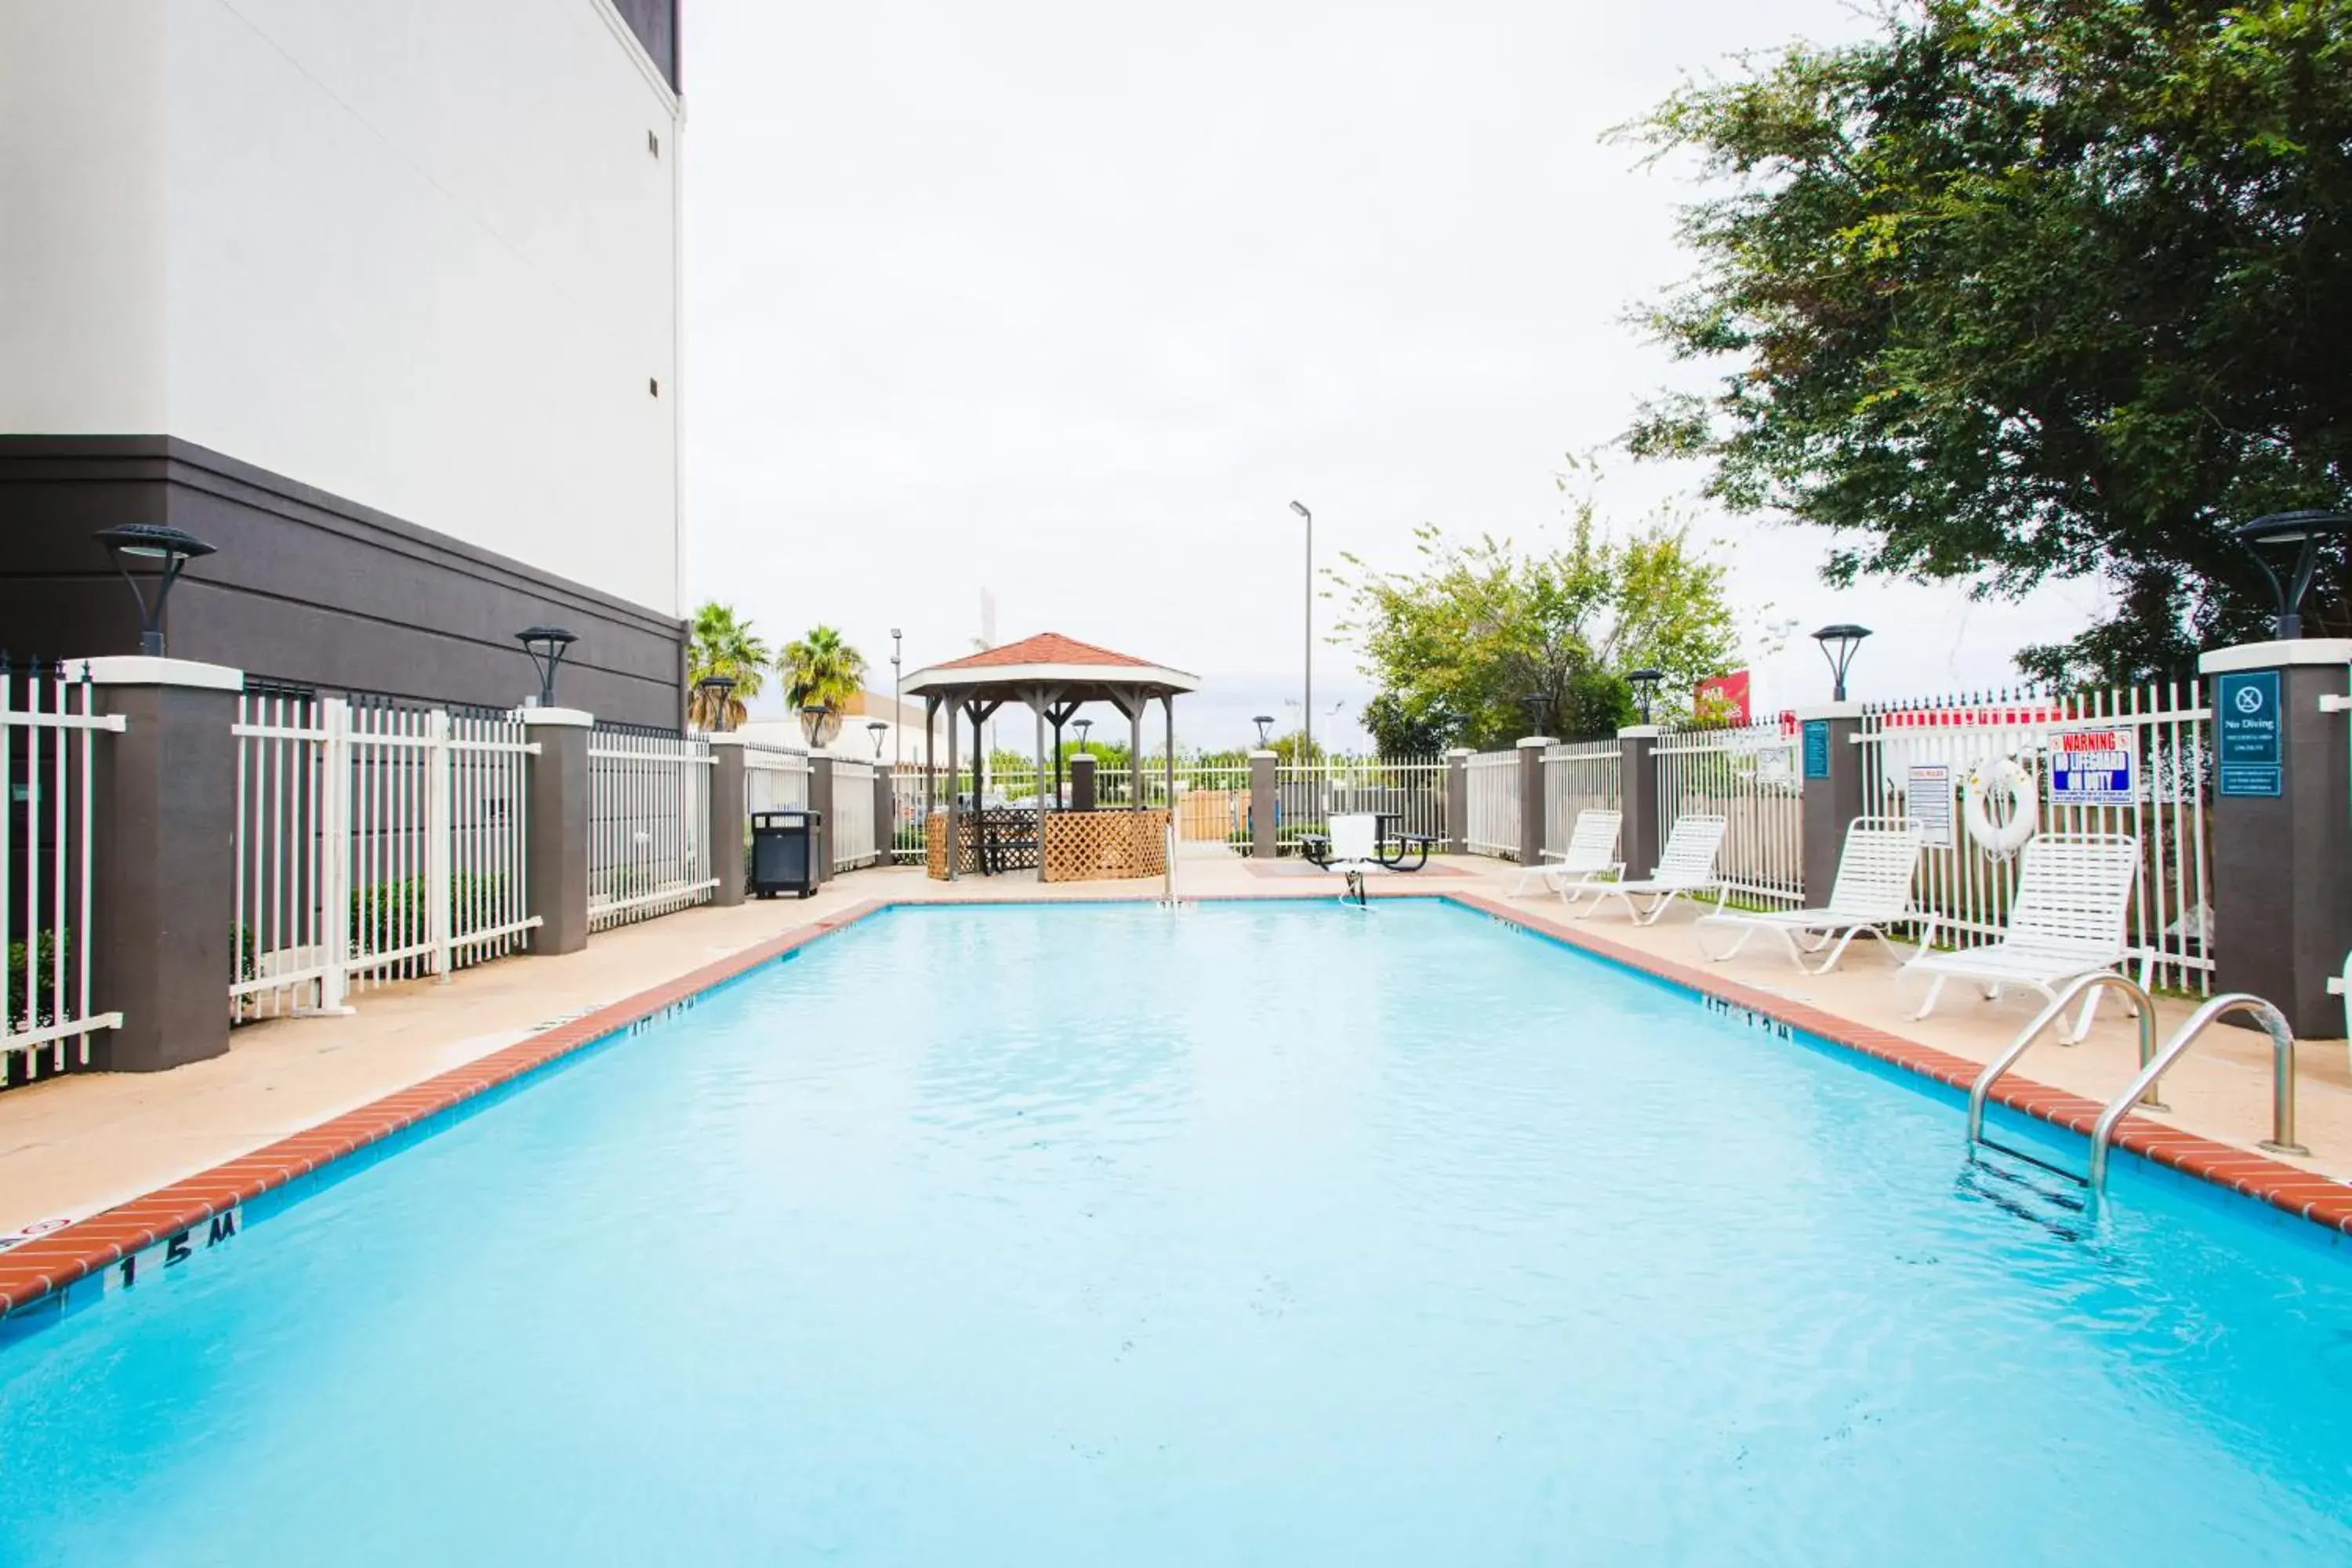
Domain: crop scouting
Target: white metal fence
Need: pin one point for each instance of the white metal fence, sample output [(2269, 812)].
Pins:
[(648, 825), (1411, 790), (1494, 788), (1212, 803), (1580, 776), (851, 827), (47, 1011), (375, 842), (1748, 775), (2148, 771), (775, 778)]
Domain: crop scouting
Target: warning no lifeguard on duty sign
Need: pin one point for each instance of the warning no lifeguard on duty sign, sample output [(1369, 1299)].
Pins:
[(2094, 767)]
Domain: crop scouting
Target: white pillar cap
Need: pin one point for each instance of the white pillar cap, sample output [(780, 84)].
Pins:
[(144, 669), (2276, 655), (558, 718)]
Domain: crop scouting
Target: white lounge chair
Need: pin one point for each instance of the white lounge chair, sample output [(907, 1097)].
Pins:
[(1873, 892), (1355, 850), (2074, 894), (1685, 866), (1590, 855)]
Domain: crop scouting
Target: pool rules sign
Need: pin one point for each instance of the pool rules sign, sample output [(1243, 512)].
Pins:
[(2246, 711), (2094, 767)]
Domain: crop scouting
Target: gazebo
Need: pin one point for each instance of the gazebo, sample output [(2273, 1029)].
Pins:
[(1054, 677)]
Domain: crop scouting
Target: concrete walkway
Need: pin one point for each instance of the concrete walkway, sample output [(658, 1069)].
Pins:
[(77, 1144)]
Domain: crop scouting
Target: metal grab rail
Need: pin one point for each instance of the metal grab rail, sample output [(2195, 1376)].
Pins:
[(2274, 1025), (2000, 1064)]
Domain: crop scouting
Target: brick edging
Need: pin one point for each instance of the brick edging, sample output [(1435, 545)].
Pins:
[(48, 1264)]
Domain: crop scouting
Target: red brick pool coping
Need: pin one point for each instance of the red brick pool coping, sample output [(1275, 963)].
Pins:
[(48, 1264)]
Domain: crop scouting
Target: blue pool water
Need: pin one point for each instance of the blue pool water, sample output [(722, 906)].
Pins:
[(1269, 1233)]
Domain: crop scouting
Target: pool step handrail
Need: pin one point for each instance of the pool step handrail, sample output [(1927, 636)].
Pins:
[(2142, 1004), (2274, 1025)]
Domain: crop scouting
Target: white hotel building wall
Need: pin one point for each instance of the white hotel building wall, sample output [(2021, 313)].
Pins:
[(379, 298)]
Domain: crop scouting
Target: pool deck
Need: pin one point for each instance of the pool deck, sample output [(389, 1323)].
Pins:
[(79, 1144)]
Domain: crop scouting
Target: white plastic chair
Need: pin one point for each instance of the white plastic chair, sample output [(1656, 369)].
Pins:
[(2074, 895), (1873, 892), (1685, 866), (1590, 855)]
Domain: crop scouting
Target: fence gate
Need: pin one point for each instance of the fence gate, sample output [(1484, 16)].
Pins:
[(2146, 770), (47, 1015), (376, 841), (1748, 775)]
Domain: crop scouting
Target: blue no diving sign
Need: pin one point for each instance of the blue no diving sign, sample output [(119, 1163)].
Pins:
[(2246, 709)]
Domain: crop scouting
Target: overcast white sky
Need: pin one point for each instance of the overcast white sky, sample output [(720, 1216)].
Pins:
[(1070, 301)]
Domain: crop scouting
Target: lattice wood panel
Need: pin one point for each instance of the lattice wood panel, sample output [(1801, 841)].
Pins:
[(1085, 845), (1010, 831)]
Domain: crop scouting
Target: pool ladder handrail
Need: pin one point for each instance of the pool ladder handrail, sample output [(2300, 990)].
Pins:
[(2106, 979), (2274, 1025)]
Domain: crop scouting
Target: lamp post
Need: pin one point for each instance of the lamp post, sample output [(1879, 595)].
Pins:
[(1645, 682), (813, 718), (1082, 726), (898, 710), (875, 729), (173, 550), (1264, 721), (2303, 530), (1307, 708), (716, 690), (1534, 702), (546, 646), (1838, 643)]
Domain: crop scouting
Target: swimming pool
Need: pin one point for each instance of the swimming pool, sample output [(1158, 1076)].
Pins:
[(1272, 1233)]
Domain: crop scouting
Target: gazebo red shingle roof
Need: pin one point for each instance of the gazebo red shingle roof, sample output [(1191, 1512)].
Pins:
[(1045, 648)]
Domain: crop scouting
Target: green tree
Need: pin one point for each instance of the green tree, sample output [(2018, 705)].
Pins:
[(2021, 289), (723, 643), (821, 670), (1482, 643)]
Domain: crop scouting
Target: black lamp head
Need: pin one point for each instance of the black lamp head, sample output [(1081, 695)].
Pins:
[(1645, 682), (546, 646), (1264, 722), (877, 729), (2300, 533), (1838, 643), (169, 551), (1301, 509), (716, 690)]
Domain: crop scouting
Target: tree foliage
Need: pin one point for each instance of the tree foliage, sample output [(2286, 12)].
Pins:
[(821, 670), (720, 642), (1482, 643), (2021, 289)]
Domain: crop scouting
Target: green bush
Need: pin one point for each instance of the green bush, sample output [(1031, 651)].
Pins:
[(386, 916), (49, 948)]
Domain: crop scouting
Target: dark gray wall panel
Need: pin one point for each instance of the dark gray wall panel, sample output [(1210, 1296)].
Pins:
[(306, 587)]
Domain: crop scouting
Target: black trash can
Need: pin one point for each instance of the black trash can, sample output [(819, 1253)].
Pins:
[(785, 850)]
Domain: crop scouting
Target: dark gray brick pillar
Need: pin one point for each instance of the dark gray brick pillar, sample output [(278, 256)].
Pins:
[(162, 860), (555, 850)]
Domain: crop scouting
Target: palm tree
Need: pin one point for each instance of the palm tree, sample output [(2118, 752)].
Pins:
[(820, 670), (722, 643)]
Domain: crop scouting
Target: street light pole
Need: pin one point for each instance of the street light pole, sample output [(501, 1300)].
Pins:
[(897, 705), (1307, 708)]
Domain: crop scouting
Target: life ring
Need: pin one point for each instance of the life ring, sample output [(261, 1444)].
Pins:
[(2004, 776)]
